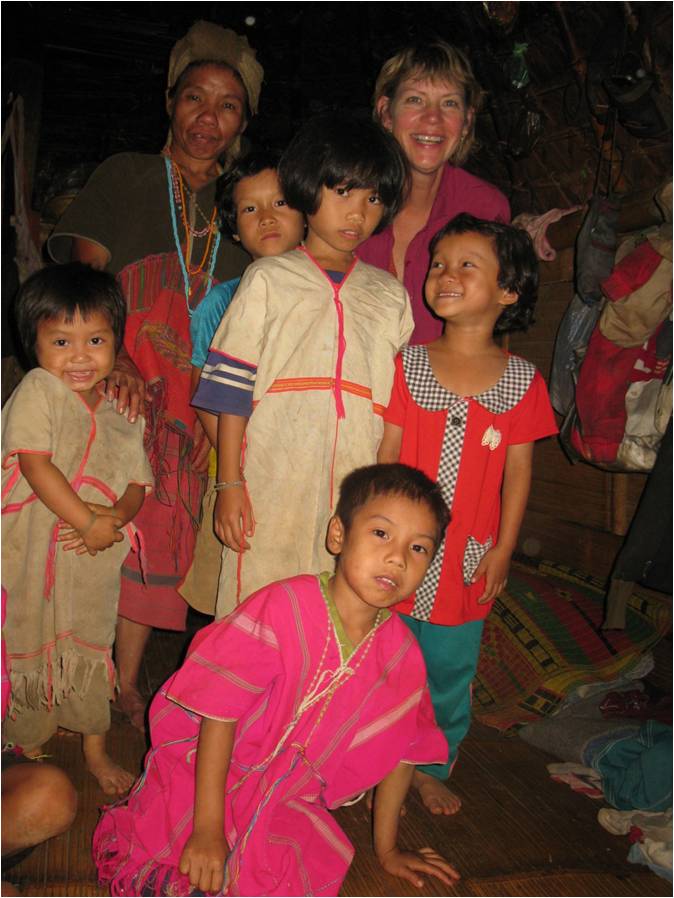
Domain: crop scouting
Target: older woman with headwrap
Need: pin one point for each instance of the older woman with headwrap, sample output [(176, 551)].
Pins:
[(152, 221)]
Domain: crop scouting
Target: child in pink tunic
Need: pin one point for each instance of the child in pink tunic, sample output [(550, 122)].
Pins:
[(308, 694)]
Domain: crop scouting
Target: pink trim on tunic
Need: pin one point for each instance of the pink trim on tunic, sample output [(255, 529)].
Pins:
[(283, 318), (14, 477), (341, 340), (4, 702)]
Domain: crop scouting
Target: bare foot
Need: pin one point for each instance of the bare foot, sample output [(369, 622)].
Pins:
[(132, 704), (437, 798), (112, 778)]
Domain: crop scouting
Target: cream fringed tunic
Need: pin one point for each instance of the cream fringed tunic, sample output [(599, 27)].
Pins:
[(61, 607), (310, 363)]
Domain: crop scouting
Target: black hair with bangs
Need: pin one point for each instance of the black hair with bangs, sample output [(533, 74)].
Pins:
[(61, 291), (365, 484), (517, 265), (340, 149)]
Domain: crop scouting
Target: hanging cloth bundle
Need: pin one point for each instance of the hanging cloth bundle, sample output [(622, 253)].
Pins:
[(595, 254), (623, 397)]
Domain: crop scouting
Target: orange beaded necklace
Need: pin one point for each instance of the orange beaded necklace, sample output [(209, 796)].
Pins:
[(190, 233)]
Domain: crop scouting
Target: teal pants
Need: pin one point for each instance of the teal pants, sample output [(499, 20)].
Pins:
[(451, 655)]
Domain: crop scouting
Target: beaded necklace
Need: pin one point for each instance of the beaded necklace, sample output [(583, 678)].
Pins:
[(178, 186), (177, 197)]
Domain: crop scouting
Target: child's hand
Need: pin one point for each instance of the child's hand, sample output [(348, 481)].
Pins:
[(408, 864), (102, 532), (71, 539), (494, 568), (203, 860), (233, 518)]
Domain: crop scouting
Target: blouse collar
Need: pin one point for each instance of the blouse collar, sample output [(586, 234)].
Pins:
[(504, 395)]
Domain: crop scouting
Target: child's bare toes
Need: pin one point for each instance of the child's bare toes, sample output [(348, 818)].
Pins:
[(435, 795)]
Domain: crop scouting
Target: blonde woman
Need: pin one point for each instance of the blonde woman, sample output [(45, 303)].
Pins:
[(428, 98)]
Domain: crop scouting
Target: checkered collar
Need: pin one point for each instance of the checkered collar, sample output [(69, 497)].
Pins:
[(432, 396)]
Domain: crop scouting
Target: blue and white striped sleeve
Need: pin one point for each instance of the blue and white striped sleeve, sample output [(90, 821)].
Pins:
[(226, 385), (227, 380)]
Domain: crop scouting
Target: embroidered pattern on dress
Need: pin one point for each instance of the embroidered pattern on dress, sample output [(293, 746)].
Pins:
[(433, 397)]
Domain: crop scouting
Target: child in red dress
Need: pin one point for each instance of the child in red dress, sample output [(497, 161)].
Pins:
[(467, 414)]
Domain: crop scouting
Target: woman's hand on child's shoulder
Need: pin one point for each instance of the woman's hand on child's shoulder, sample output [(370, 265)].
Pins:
[(203, 860), (409, 864), (125, 387)]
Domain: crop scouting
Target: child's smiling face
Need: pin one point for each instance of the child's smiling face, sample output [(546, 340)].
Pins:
[(462, 282), (81, 352), (384, 554), (265, 223)]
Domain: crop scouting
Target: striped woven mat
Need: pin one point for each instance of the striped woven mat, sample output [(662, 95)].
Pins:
[(543, 639)]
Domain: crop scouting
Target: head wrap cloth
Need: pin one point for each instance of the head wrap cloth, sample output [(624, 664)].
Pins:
[(205, 40)]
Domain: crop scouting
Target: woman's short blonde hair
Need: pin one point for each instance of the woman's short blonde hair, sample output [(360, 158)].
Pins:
[(437, 61)]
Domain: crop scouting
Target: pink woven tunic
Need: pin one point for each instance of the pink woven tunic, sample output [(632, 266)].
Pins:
[(314, 730)]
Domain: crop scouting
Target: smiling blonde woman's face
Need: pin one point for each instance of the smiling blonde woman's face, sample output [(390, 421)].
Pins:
[(428, 118)]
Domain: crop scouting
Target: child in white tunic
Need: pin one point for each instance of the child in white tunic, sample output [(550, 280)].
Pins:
[(301, 367)]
